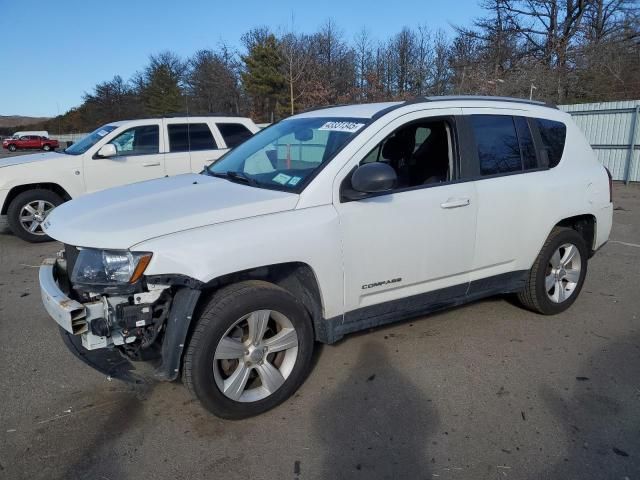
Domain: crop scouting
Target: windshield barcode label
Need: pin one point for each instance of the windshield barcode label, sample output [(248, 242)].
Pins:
[(342, 126)]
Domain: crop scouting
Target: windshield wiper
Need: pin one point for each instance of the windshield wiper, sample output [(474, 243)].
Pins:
[(237, 177)]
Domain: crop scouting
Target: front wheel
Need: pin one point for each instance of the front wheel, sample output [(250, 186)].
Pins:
[(250, 351), (557, 276), (12, 148), (27, 212)]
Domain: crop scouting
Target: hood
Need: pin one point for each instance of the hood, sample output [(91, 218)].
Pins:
[(121, 217), (35, 157)]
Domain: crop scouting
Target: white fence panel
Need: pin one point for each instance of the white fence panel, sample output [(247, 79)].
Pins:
[(613, 130)]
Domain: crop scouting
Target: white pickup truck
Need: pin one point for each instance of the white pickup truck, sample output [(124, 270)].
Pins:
[(115, 154)]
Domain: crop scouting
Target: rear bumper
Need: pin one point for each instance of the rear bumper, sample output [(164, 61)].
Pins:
[(604, 222)]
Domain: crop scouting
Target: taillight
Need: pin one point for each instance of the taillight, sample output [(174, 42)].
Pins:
[(610, 185)]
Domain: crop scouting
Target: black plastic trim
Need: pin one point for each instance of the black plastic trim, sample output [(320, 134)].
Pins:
[(180, 316), (108, 361), (481, 98), (175, 280), (384, 111), (469, 161), (417, 305)]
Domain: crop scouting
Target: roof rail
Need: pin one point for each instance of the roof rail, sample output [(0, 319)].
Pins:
[(444, 98), (191, 115), (322, 107)]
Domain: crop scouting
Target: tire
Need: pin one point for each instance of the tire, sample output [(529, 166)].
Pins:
[(46, 147), (12, 148), (32, 198), (552, 286), (204, 375)]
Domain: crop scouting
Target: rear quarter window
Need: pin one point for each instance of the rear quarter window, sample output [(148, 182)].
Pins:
[(553, 135)]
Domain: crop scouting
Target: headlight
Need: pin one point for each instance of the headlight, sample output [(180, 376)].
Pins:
[(109, 267)]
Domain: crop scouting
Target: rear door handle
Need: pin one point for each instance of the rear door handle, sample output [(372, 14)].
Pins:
[(456, 203), (151, 164)]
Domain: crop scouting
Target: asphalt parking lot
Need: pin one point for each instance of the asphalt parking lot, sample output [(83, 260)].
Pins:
[(488, 390)]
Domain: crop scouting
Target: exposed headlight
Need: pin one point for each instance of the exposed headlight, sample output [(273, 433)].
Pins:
[(109, 267)]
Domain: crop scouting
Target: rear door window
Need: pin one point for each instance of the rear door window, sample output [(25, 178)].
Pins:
[(234, 133), (497, 144), (185, 137), (553, 135)]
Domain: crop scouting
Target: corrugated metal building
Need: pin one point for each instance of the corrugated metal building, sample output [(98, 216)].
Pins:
[(613, 130)]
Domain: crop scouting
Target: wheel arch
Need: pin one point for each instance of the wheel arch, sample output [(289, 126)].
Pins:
[(298, 278), (17, 190), (585, 225)]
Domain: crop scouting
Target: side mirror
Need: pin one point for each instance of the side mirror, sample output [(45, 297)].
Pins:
[(376, 177), (107, 151)]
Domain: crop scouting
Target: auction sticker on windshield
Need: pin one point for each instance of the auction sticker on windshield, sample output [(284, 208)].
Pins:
[(349, 127), (281, 178)]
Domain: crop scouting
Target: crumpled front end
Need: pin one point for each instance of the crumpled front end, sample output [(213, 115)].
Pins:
[(133, 319)]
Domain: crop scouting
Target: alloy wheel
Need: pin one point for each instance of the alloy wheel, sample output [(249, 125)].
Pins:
[(255, 356), (33, 214), (563, 273)]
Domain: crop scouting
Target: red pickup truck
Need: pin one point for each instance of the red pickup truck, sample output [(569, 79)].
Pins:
[(30, 142)]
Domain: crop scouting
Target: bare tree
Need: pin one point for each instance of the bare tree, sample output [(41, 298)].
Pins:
[(363, 47), (294, 50)]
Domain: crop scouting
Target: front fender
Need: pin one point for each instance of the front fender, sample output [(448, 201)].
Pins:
[(63, 175), (310, 236)]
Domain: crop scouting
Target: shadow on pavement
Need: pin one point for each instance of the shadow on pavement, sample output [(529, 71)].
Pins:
[(601, 419), (376, 424)]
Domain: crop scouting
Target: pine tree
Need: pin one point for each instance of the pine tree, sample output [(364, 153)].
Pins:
[(263, 79)]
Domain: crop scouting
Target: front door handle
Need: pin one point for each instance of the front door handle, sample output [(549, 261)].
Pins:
[(151, 164), (456, 203)]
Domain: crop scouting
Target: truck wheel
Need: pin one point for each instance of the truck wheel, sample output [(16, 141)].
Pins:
[(46, 147), (250, 350), (12, 148), (27, 212), (557, 276)]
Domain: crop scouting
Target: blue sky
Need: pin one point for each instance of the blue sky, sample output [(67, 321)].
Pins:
[(56, 51)]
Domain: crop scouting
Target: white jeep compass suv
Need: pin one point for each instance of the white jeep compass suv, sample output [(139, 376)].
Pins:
[(328, 222)]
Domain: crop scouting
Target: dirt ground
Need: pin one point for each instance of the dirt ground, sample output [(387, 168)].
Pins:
[(485, 391)]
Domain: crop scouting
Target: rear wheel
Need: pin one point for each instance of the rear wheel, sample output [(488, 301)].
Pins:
[(27, 212), (46, 147), (557, 276), (250, 351)]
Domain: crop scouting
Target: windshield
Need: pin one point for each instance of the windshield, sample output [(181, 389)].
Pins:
[(284, 155), (90, 140)]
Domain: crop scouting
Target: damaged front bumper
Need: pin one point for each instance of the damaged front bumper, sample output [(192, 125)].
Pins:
[(149, 325), (75, 317)]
